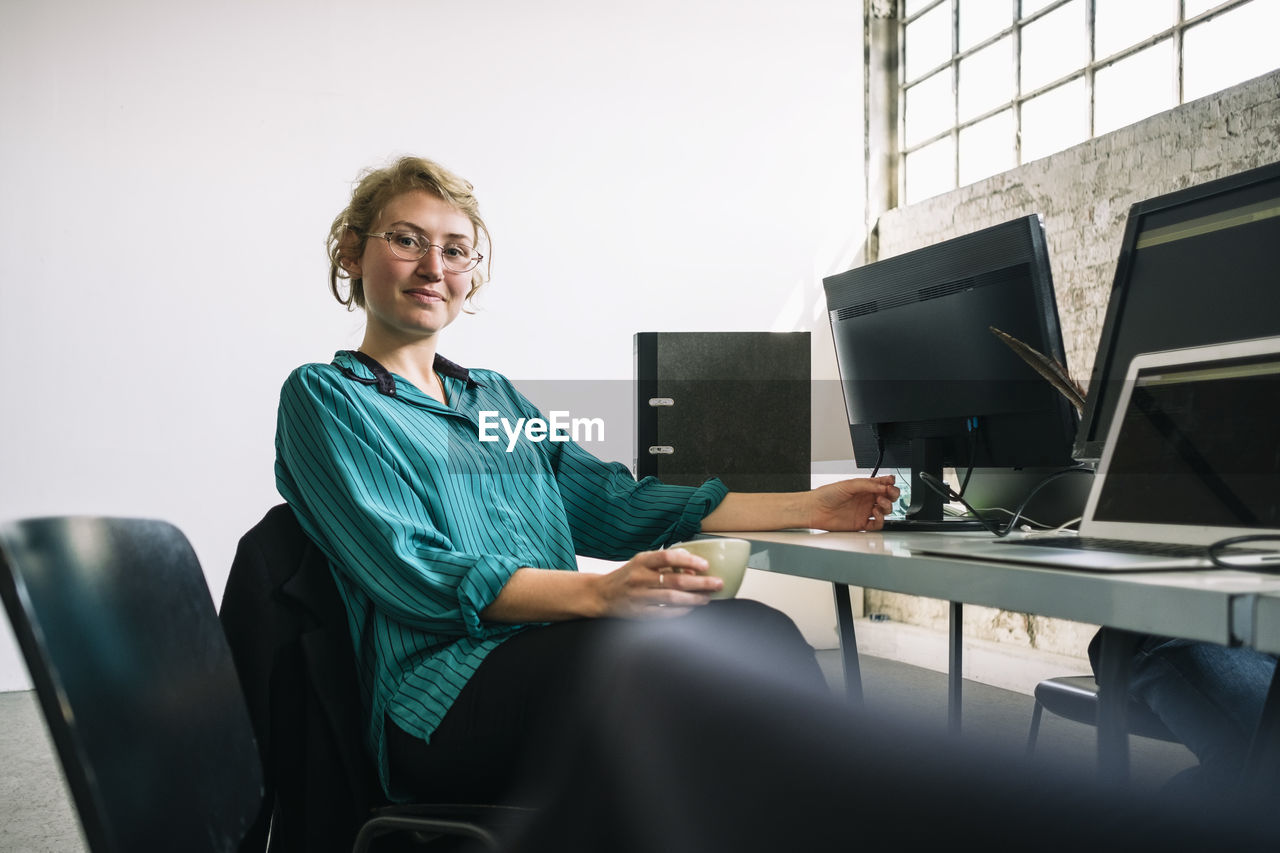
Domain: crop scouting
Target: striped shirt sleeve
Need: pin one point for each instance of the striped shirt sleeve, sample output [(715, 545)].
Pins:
[(611, 514)]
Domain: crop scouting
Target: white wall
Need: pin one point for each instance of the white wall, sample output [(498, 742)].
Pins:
[(168, 171)]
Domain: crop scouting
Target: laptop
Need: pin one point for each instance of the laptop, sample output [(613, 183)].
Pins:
[(1192, 458)]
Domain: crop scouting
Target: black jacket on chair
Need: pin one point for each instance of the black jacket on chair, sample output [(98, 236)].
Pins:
[(287, 628)]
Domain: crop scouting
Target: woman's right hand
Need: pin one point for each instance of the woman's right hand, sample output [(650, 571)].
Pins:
[(657, 584)]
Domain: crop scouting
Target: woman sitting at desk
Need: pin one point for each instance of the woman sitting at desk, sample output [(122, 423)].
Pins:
[(455, 557)]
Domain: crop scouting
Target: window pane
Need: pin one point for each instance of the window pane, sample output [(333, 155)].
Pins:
[(986, 148), (930, 108), (930, 171), (928, 41), (981, 19), (1055, 120), (913, 6), (986, 79), (1134, 88), (1054, 46), (1030, 7), (1195, 7), (1230, 49), (1118, 24)]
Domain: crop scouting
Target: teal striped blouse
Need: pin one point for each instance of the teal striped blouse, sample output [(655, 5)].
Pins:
[(423, 523)]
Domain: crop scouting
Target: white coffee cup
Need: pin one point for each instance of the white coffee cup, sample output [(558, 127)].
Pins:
[(726, 559)]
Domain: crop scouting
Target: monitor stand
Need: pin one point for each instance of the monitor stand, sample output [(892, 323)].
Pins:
[(925, 512), (916, 525)]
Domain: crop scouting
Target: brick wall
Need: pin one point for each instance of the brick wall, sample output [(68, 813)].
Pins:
[(1084, 195)]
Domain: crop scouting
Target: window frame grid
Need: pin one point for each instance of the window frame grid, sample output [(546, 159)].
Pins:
[(1093, 64)]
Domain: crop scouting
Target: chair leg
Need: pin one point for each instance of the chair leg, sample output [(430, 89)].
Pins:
[(1035, 729)]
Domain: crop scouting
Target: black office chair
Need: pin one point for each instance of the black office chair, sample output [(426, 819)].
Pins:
[(135, 680), (1075, 697), (137, 684)]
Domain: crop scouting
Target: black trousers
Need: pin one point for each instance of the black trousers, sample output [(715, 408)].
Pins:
[(672, 752), (509, 723)]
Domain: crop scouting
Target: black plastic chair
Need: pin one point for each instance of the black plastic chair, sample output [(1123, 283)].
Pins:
[(138, 686), (1075, 697), (135, 680)]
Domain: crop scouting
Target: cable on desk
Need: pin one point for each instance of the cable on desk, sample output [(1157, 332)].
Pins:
[(947, 492), (1218, 552), (879, 454), (971, 424), (1044, 526)]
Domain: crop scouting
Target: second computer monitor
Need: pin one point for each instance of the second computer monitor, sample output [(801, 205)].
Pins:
[(927, 385), (1196, 267)]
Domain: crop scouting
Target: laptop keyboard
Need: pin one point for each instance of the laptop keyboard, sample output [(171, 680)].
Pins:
[(1085, 543)]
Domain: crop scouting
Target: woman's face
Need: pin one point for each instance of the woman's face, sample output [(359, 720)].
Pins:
[(407, 301)]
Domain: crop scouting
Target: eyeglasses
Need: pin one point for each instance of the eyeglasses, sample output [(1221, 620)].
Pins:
[(456, 257)]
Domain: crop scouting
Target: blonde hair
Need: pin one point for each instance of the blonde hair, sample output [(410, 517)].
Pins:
[(375, 188)]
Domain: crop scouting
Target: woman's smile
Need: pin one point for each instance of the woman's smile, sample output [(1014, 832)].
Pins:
[(424, 295)]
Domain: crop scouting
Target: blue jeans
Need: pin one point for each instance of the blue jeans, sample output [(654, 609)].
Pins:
[(1209, 696)]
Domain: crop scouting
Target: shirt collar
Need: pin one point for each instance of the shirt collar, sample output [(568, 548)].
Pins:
[(445, 367), (360, 368)]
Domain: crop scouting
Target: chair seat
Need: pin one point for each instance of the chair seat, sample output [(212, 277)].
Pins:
[(1076, 698)]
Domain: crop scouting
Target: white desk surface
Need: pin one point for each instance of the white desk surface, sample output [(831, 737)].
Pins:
[(1215, 605)]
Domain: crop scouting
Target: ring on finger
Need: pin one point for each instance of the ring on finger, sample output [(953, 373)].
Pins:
[(662, 579)]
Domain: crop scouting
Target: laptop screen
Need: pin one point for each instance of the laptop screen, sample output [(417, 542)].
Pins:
[(1199, 445)]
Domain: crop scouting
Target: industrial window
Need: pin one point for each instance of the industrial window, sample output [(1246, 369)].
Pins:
[(984, 85)]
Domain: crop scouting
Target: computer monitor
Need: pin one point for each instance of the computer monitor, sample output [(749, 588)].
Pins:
[(1196, 267), (926, 383)]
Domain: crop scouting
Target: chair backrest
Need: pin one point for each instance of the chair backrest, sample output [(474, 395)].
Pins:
[(136, 681), (287, 627)]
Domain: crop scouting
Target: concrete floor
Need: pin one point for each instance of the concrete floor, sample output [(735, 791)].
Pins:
[(1000, 720), (35, 807), (36, 814)]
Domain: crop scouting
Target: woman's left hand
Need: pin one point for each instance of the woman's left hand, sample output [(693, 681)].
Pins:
[(859, 504)]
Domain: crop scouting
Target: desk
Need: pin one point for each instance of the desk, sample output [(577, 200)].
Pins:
[(1213, 605)]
